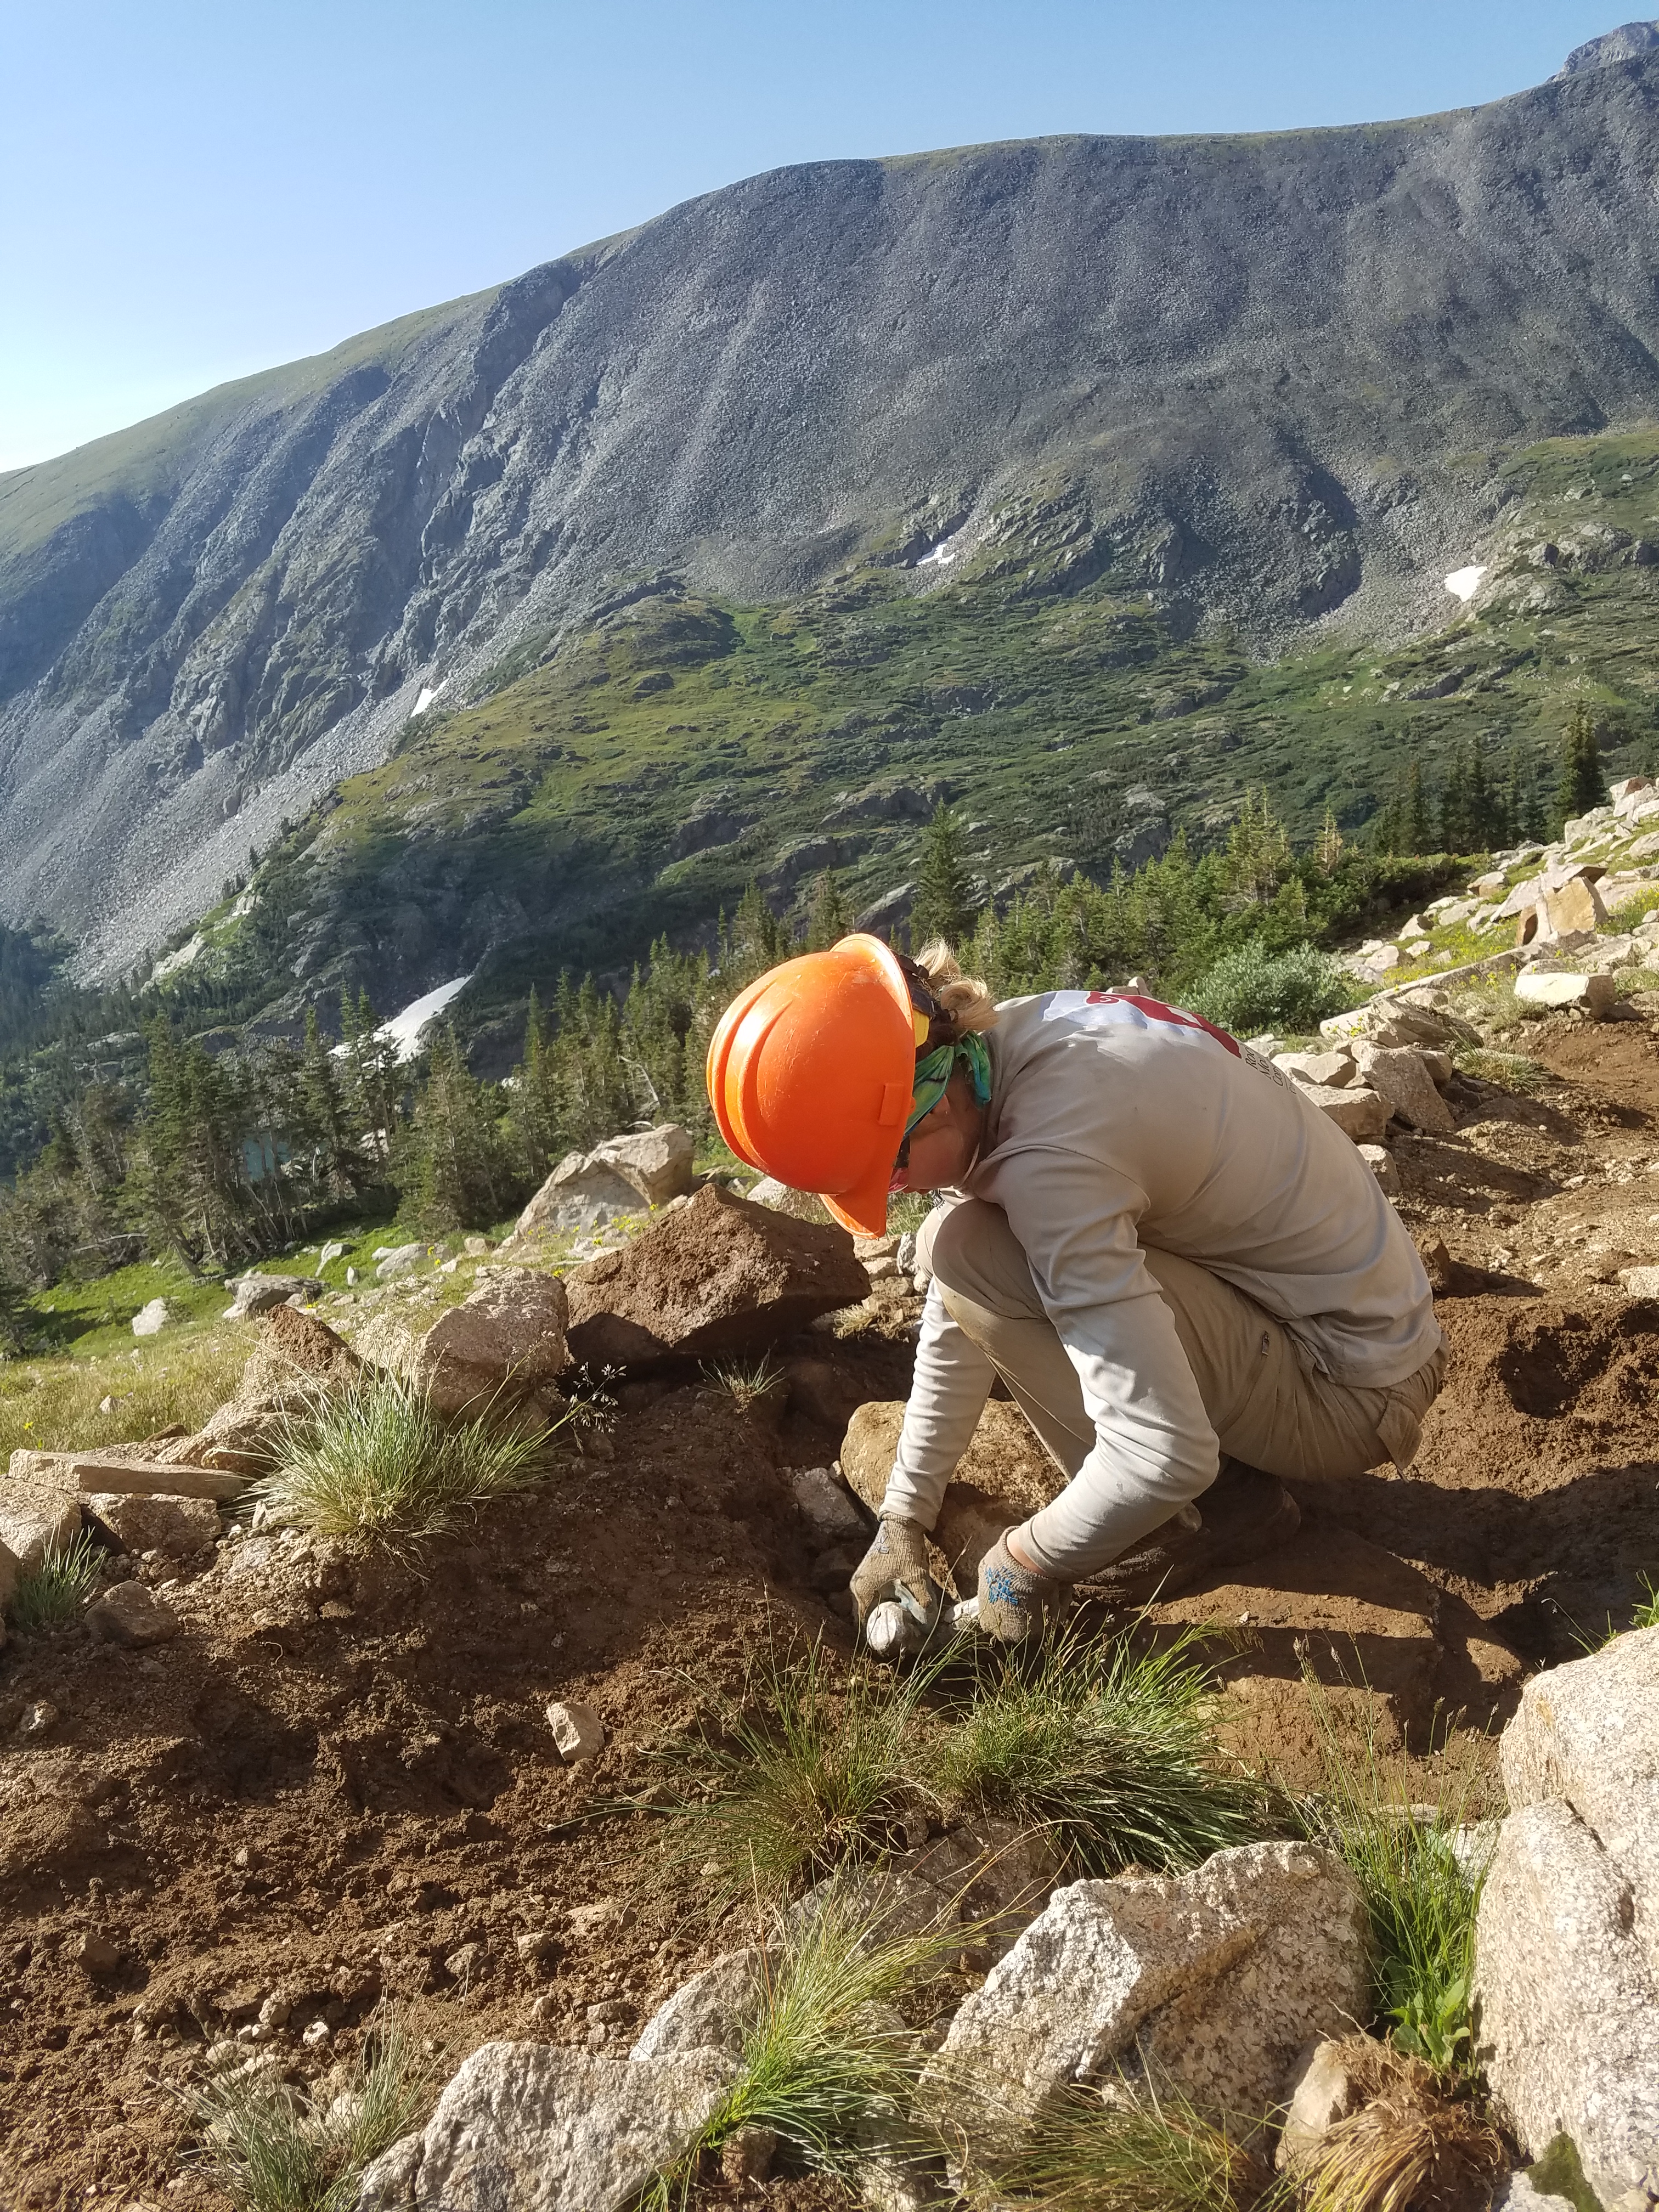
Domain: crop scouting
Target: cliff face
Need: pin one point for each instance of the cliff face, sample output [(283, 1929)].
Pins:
[(1277, 367)]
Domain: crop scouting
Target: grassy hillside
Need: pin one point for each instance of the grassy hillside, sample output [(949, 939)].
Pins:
[(628, 780)]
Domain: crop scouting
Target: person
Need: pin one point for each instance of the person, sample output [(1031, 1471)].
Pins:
[(1184, 1274)]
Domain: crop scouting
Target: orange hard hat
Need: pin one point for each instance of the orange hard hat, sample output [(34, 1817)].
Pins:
[(810, 1073)]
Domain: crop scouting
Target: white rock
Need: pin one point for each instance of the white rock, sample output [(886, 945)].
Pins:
[(656, 1162), (329, 1255), (1323, 2093), (1566, 2007), (711, 2011), (150, 1320), (578, 1731), (805, 1205), (1382, 1166), (1211, 1982), (525, 2127), (828, 1506), (1322, 1071), (1630, 791), (400, 1260), (1517, 2194), (36, 1519), (1399, 1074), (1552, 986), (1357, 1111)]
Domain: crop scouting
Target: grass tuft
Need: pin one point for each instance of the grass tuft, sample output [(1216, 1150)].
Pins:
[(54, 1592), (1106, 1746), (759, 1383), (1646, 1614), (1138, 2153), (377, 1460), (1412, 2147), (269, 2148), (802, 1772), (1508, 1070), (1421, 1896), (829, 2064)]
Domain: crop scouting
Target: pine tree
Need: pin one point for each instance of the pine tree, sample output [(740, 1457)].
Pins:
[(1454, 806), (943, 904), (1327, 853), (1258, 854), (1482, 820), (14, 1319), (323, 1123), (460, 1175), (827, 919), (1414, 824), (535, 1104), (1580, 784)]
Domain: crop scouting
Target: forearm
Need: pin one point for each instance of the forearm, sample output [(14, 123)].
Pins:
[(1154, 1452), (952, 1381)]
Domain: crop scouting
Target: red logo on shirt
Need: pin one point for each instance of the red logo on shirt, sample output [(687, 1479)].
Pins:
[(1156, 1011)]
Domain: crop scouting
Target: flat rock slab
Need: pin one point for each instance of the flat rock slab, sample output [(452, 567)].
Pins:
[(717, 1275), (525, 2127), (38, 1512), (178, 1526), (130, 1614), (1546, 987), (1004, 1476), (1211, 1982)]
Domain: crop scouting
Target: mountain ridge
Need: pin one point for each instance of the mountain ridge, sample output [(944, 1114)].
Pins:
[(1275, 377)]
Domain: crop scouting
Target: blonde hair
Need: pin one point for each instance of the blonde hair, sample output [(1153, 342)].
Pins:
[(963, 998)]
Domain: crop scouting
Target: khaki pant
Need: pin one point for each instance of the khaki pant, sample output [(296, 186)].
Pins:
[(1265, 1407)]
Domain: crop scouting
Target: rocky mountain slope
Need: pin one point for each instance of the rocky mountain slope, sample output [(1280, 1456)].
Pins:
[(1255, 380)]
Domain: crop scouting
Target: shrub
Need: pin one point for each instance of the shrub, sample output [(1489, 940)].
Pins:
[(800, 1773), (55, 1591), (1250, 989), (1107, 1746), (270, 2149), (377, 1459)]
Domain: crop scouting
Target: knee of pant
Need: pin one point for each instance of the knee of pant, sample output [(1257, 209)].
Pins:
[(945, 1240), (975, 1255)]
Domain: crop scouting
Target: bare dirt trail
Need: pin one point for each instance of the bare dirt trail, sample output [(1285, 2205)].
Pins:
[(337, 1782)]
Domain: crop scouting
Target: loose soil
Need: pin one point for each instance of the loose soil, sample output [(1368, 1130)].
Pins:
[(337, 1782)]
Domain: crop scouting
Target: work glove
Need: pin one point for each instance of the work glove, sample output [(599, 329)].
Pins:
[(1013, 1602), (896, 1567)]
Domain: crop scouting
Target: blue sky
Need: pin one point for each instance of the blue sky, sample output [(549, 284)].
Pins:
[(191, 191)]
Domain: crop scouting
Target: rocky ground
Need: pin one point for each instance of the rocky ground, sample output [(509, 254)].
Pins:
[(337, 1782)]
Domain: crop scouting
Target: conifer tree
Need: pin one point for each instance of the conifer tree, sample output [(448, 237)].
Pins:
[(459, 1168), (1454, 806), (324, 1123), (828, 918), (1580, 784), (943, 904), (1414, 824), (1327, 853), (14, 1319), (1482, 823), (1258, 854)]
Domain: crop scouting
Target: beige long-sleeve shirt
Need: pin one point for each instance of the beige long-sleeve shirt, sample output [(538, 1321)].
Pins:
[(1116, 1123)]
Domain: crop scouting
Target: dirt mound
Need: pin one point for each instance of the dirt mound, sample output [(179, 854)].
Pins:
[(717, 1275)]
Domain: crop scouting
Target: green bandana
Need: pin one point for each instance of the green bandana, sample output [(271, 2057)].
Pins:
[(933, 1072)]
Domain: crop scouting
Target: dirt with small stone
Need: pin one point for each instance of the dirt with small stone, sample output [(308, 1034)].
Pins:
[(337, 1781)]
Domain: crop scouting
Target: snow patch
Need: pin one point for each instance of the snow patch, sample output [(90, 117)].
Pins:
[(429, 693), (943, 553), (403, 1029), (1464, 583)]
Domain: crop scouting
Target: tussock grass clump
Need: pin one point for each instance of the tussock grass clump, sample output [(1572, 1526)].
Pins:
[(751, 1385), (55, 1591), (1421, 1893), (1646, 1614), (1107, 1746), (829, 2064), (271, 2149), (802, 1771), (1139, 2153), (377, 1460), (1510, 1071), (1412, 2147)]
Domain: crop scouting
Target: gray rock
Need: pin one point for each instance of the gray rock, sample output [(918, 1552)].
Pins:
[(1321, 1071), (507, 1337), (583, 1192), (257, 1294), (828, 1507), (1566, 2009), (10, 1568), (711, 2011), (525, 2127), (1356, 1111), (130, 1614), (1560, 986), (400, 1260), (805, 1205), (330, 1252), (1400, 1075), (1587, 1733), (1517, 2193), (177, 1526), (1383, 1166), (1323, 2093), (34, 1517), (656, 1162), (1213, 1982)]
